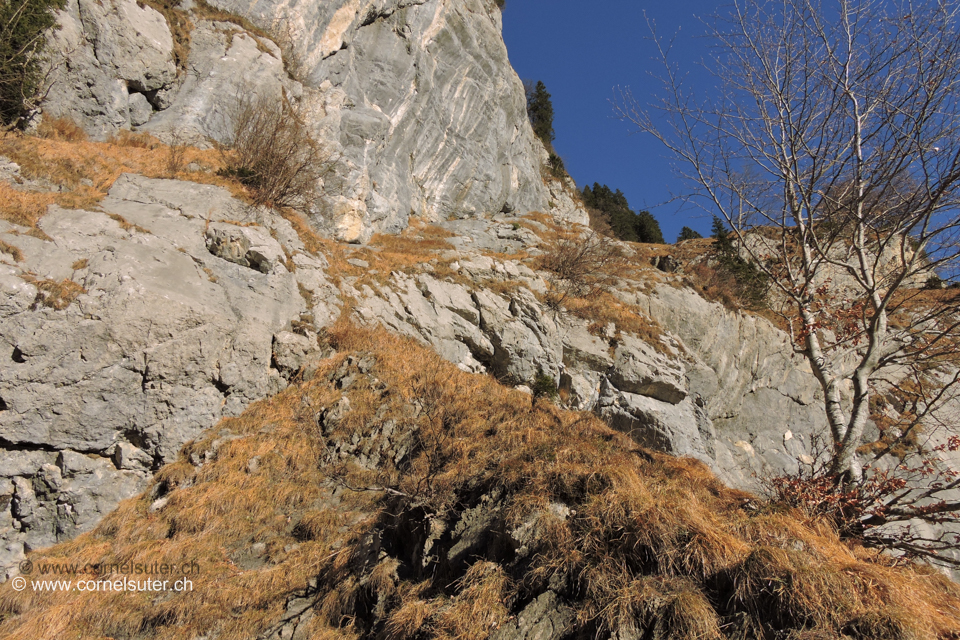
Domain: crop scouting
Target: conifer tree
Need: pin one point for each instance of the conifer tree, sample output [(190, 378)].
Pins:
[(688, 234), (540, 112), (625, 224)]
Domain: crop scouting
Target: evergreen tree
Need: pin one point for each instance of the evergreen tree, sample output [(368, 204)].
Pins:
[(751, 283), (722, 242), (540, 112), (624, 223), (647, 228), (688, 234), (23, 28)]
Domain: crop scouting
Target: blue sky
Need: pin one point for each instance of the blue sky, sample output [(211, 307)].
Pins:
[(581, 51)]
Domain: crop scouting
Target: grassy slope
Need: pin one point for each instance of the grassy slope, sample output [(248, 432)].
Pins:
[(651, 541)]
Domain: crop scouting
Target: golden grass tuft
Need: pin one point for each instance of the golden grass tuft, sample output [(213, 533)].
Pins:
[(55, 294), (12, 251), (64, 157)]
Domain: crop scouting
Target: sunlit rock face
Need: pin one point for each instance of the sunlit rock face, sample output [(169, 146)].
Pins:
[(414, 101), (420, 103)]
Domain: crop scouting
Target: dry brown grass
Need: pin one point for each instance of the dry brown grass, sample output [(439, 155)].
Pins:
[(406, 252), (125, 224), (651, 542), (11, 250), (602, 309), (66, 158), (54, 294)]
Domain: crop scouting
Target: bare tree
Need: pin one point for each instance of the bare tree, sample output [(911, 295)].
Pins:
[(832, 148)]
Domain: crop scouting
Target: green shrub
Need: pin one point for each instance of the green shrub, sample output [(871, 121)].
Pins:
[(751, 283), (556, 166), (544, 386), (933, 282), (24, 25)]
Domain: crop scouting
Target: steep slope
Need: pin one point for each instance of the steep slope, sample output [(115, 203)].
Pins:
[(394, 496)]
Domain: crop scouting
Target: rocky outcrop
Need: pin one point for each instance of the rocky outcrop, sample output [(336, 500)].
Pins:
[(113, 65), (414, 99), (422, 104), (130, 331)]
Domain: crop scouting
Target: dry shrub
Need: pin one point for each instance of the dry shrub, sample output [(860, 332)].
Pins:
[(273, 154), (286, 37), (580, 265), (630, 540)]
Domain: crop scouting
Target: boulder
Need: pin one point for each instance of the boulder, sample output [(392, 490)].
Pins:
[(639, 369)]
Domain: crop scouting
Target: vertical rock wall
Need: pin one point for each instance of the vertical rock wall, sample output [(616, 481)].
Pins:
[(414, 99)]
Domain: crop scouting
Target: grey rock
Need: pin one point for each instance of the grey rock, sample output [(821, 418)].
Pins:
[(292, 351), (165, 340), (682, 429), (246, 246), (546, 618), (226, 64), (584, 351), (139, 108), (126, 456), (460, 145), (639, 369), (110, 52)]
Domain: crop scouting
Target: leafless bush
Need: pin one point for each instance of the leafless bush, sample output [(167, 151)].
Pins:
[(273, 154), (581, 265), (176, 154), (901, 509)]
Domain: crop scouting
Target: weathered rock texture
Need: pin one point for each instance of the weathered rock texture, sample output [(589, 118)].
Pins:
[(134, 328), (182, 319), (415, 99), (422, 103)]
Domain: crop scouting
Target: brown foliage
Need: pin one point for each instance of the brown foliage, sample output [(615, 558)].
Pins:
[(579, 265), (273, 154)]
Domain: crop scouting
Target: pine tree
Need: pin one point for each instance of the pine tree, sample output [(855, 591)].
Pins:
[(688, 234), (647, 228), (718, 231), (540, 112), (624, 223)]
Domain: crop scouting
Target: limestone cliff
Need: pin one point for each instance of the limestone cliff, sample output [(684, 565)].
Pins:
[(416, 99)]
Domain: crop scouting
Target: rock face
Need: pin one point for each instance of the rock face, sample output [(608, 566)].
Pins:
[(169, 327), (415, 99), (425, 110), (132, 329), (117, 64)]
